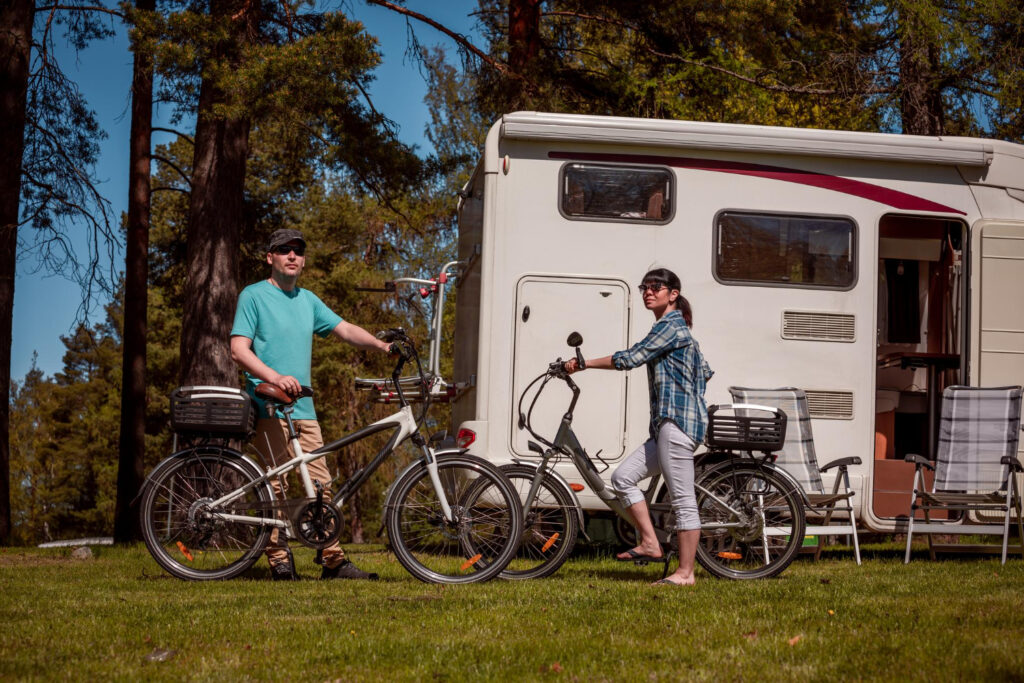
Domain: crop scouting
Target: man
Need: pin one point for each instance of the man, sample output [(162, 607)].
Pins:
[(272, 340)]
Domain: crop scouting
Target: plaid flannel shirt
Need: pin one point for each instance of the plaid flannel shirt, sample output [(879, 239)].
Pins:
[(677, 375)]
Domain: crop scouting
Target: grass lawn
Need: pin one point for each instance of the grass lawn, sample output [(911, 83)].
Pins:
[(118, 616)]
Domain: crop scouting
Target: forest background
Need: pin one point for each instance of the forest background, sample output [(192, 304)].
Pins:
[(273, 126)]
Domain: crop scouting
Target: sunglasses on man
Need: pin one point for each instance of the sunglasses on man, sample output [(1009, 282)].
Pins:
[(285, 249)]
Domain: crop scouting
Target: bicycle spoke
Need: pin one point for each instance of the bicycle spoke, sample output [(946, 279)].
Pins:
[(184, 535), (452, 550)]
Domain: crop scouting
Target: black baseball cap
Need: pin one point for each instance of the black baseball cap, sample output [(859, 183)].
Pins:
[(284, 236)]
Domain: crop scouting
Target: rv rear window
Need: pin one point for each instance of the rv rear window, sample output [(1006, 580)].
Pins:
[(788, 251), (618, 193)]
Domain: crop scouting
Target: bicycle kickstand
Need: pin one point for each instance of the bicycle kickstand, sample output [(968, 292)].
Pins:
[(668, 559), (319, 559)]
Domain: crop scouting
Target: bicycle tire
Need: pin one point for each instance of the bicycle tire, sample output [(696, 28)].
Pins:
[(477, 544), (768, 522), (550, 526), (178, 529)]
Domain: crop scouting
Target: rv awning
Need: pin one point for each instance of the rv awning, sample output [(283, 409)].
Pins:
[(607, 130)]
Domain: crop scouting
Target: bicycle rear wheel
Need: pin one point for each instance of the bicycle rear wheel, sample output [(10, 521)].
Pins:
[(550, 526), (752, 521), (479, 540), (184, 534)]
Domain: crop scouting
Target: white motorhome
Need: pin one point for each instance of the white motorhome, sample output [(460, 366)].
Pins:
[(868, 269)]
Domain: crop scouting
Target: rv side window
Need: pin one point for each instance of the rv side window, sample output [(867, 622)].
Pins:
[(619, 193), (793, 251)]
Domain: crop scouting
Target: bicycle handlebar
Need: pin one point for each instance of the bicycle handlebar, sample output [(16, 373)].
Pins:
[(404, 347)]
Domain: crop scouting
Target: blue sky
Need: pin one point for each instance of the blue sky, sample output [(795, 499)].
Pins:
[(45, 307)]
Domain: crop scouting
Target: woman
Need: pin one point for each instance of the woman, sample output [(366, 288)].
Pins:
[(677, 375)]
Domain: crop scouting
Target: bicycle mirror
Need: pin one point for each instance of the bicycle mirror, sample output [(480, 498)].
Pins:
[(575, 339)]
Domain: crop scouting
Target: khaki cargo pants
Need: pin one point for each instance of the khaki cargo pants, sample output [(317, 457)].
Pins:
[(276, 431)]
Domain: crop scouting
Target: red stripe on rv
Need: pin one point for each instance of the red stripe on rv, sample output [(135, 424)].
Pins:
[(857, 188)]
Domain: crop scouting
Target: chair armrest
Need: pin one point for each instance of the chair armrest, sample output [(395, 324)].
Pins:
[(841, 463), (918, 460), (1013, 462)]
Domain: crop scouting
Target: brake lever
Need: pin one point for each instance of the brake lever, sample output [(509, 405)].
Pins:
[(557, 368)]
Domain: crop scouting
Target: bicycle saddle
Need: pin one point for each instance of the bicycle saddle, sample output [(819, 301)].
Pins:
[(274, 393)]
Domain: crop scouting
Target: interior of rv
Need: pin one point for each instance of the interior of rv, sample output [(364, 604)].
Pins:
[(920, 345)]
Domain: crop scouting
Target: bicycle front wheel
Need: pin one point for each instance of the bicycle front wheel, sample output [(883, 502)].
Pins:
[(189, 537), (480, 538), (752, 521), (550, 526)]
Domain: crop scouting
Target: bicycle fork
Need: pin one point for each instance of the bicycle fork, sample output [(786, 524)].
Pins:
[(435, 477)]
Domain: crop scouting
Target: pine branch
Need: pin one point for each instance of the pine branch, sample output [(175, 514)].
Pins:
[(79, 8), (176, 132), (168, 188), (457, 37), (184, 176), (756, 81)]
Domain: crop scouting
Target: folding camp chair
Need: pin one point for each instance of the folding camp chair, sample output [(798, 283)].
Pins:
[(798, 459), (974, 467)]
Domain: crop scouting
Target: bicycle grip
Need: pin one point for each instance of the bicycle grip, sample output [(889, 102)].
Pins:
[(579, 359)]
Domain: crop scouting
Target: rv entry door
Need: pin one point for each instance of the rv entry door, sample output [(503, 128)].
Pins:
[(997, 316), (548, 309)]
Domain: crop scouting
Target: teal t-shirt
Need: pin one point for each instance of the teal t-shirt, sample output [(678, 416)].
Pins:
[(281, 325)]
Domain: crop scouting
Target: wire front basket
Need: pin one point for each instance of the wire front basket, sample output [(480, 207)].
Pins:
[(746, 427)]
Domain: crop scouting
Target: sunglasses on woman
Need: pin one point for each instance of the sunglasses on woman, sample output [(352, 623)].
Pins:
[(285, 249), (654, 287)]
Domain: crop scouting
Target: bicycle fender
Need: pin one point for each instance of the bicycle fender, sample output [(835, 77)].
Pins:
[(728, 462), (226, 452), (563, 484)]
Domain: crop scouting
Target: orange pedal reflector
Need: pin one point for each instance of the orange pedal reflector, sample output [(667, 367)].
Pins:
[(184, 551), (550, 542), (470, 562), (730, 556)]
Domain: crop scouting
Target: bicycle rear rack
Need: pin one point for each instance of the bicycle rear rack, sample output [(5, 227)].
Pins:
[(438, 391)]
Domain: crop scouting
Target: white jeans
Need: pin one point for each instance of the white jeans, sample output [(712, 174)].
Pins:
[(671, 454)]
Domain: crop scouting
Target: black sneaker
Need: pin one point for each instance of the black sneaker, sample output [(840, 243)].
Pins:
[(284, 571), (347, 570)]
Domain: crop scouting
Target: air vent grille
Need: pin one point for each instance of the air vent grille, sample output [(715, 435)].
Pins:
[(830, 405), (838, 327)]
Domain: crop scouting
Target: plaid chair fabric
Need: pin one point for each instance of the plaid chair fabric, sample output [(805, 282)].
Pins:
[(977, 428), (799, 459), (975, 466), (797, 455)]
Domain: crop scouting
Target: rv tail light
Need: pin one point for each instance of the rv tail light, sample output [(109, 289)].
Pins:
[(465, 437), (576, 487)]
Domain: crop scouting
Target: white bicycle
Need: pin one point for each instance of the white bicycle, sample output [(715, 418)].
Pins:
[(207, 511)]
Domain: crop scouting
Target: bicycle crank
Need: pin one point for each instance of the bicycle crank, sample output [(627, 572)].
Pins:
[(318, 524)]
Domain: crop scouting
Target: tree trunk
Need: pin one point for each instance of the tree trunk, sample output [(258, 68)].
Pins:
[(523, 48), (132, 445), (15, 50), (216, 215), (921, 108)]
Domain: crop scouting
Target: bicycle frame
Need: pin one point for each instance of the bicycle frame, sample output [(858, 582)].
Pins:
[(403, 423), (566, 443)]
